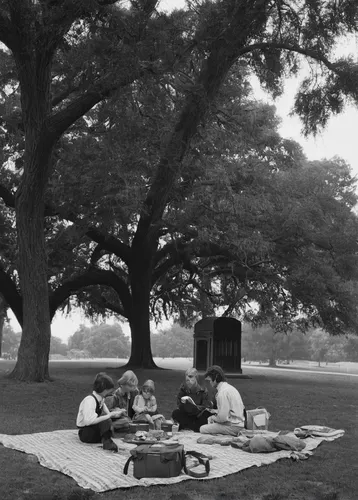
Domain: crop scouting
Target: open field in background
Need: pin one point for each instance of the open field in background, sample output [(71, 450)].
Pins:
[(184, 363), (293, 399), (341, 367)]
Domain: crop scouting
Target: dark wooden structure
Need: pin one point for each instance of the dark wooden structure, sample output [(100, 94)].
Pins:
[(217, 341)]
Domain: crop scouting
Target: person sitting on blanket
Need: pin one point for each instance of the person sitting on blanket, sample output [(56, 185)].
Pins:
[(229, 418), (122, 400), (145, 406), (189, 415), (94, 419)]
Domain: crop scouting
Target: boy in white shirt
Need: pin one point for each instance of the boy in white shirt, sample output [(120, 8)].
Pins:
[(94, 419), (229, 416)]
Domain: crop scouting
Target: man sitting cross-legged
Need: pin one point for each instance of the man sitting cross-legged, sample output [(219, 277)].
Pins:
[(229, 418)]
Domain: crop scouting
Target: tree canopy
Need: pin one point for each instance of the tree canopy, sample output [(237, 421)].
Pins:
[(158, 106)]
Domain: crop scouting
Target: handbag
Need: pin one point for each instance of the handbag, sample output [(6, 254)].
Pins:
[(161, 460)]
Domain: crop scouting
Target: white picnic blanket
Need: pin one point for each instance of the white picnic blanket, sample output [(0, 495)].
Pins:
[(99, 470)]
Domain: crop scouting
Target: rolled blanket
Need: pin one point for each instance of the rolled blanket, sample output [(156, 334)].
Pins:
[(214, 439), (318, 431)]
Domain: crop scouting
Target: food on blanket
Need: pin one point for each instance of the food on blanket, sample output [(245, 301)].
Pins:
[(141, 435), (152, 434), (146, 437)]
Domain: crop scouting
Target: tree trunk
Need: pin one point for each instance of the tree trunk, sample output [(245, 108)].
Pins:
[(206, 307), (139, 320), (141, 352), (272, 361), (33, 355), (273, 351), (3, 308), (33, 64), (34, 350)]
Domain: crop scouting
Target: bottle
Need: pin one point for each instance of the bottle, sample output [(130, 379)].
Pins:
[(175, 428)]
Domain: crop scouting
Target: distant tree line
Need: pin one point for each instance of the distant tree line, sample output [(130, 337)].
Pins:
[(266, 344), (97, 341), (173, 342), (258, 344)]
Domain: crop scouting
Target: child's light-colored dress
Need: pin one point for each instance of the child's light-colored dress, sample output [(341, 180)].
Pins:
[(140, 415)]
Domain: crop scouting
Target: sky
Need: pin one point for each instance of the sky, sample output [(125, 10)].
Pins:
[(338, 139)]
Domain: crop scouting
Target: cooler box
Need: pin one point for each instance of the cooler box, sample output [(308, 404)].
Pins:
[(156, 460)]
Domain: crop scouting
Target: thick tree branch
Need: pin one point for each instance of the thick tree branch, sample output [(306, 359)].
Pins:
[(7, 32), (177, 252), (7, 196), (10, 293), (97, 254), (61, 96), (113, 307), (111, 244), (169, 249), (107, 2), (292, 48), (63, 119), (163, 268), (107, 242), (60, 121), (230, 308), (222, 52), (90, 278), (176, 245)]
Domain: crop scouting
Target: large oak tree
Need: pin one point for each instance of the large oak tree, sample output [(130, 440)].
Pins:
[(109, 47)]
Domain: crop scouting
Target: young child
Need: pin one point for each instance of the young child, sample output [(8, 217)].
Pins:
[(94, 419), (145, 405), (122, 400)]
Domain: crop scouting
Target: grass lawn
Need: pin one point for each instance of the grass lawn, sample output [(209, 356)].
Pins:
[(293, 399), (341, 367)]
